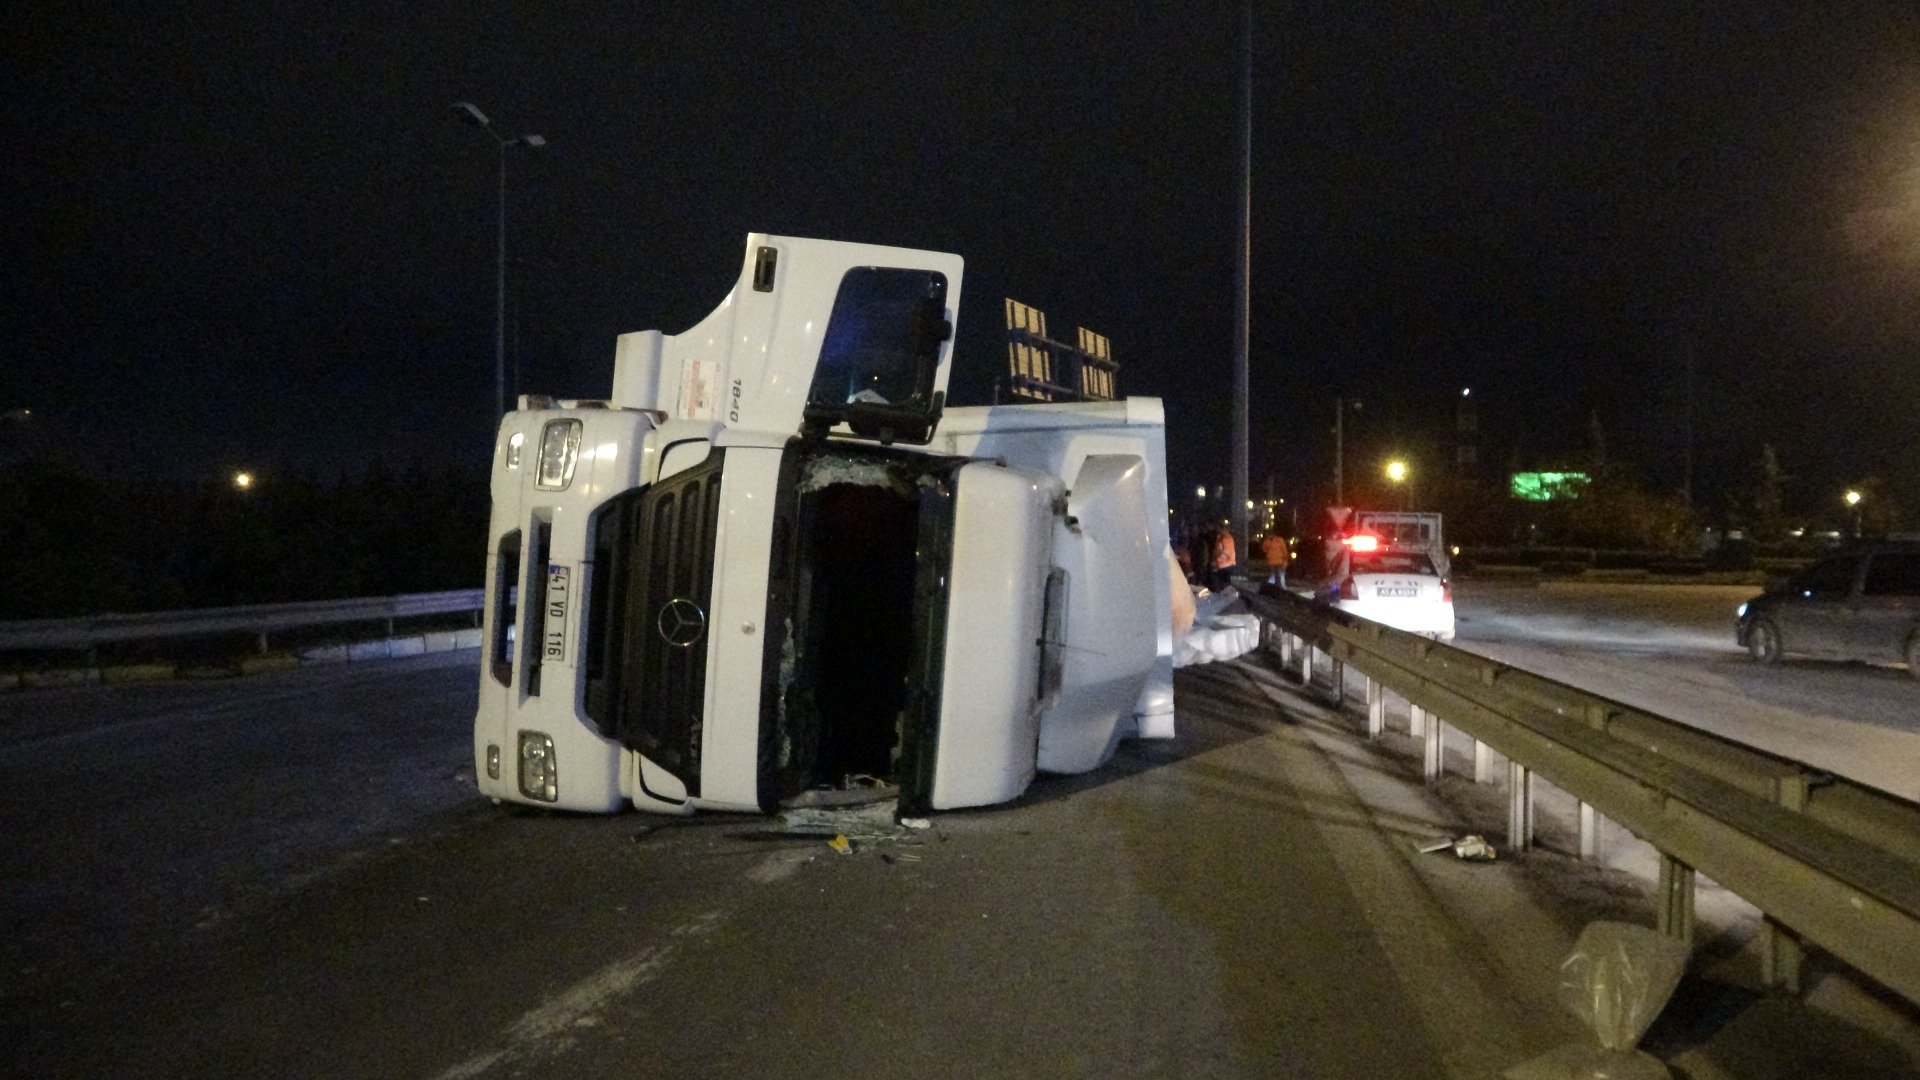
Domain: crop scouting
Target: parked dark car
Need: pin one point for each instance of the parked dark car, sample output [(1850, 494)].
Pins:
[(1860, 604)]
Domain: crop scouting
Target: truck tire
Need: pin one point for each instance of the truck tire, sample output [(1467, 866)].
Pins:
[(1763, 642)]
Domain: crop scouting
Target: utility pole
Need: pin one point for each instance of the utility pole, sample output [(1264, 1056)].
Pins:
[(1686, 475), (1243, 272), (1339, 451)]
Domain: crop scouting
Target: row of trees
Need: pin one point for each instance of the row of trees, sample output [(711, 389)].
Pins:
[(1618, 510), (76, 544)]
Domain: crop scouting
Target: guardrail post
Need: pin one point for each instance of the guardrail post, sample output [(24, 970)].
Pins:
[(1306, 663), (1433, 757), (1376, 708), (1519, 806), (1416, 720), (1781, 953), (1675, 897), (1286, 650), (1589, 832), (1339, 669), (1482, 763)]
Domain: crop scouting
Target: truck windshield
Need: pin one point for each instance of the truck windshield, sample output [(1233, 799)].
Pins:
[(881, 348)]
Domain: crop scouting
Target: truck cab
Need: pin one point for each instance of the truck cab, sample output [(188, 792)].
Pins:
[(772, 560)]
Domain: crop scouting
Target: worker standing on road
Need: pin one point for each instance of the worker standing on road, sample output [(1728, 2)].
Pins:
[(1225, 558), (1273, 547)]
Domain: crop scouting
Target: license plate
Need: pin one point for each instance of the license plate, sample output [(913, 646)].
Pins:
[(559, 595), (1397, 590)]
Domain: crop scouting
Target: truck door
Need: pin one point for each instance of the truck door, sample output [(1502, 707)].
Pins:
[(880, 354)]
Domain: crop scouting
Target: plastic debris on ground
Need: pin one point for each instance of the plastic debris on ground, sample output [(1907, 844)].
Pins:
[(1473, 848), (1617, 979), (1222, 630), (873, 821), (841, 844)]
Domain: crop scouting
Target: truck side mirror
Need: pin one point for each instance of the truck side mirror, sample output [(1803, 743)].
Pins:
[(929, 326)]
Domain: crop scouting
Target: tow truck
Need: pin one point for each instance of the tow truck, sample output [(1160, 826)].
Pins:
[(772, 561)]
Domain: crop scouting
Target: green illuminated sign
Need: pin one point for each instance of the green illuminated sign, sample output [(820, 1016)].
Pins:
[(1541, 486)]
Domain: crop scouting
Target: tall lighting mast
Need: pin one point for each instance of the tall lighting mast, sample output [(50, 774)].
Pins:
[(1242, 272)]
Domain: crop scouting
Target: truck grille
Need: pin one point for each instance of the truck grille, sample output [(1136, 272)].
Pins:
[(645, 646)]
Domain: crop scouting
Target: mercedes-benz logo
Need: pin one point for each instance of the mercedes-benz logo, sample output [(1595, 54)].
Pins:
[(681, 622)]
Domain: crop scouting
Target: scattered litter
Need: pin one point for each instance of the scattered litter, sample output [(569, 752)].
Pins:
[(1473, 848), (874, 821), (841, 844), (1617, 980), (1221, 630)]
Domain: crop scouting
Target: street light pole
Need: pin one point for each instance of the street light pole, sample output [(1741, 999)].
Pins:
[(1243, 272), (1339, 451), (470, 113)]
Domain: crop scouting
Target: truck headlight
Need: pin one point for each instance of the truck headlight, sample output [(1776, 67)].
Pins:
[(559, 453), (539, 774), (1742, 613)]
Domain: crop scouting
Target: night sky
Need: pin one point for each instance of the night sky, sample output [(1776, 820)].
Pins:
[(259, 237)]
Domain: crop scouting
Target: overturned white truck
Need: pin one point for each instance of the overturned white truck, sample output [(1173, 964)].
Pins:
[(771, 560)]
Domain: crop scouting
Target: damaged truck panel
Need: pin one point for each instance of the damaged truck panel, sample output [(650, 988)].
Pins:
[(772, 560)]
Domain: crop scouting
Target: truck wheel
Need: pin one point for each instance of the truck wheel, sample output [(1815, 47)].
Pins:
[(1763, 642)]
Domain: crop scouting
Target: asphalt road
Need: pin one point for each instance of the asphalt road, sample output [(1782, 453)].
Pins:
[(290, 875), (1670, 649)]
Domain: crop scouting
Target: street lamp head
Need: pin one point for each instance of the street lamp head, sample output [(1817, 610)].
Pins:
[(535, 141), (1397, 471), (468, 111), (1853, 498)]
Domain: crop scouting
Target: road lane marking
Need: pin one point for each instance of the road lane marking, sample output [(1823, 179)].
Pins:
[(548, 1029)]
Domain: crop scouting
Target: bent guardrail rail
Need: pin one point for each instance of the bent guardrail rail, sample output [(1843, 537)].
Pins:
[(92, 631), (1832, 861)]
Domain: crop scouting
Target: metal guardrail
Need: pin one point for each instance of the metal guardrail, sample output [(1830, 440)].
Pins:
[(1829, 861), (92, 631)]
